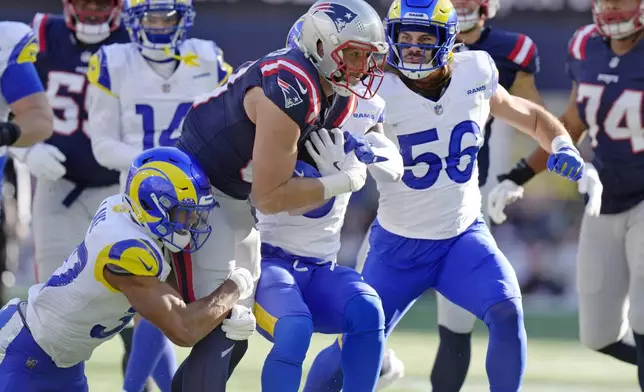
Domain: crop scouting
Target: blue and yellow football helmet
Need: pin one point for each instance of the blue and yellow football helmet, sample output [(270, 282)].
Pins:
[(169, 195), (434, 17), (159, 25)]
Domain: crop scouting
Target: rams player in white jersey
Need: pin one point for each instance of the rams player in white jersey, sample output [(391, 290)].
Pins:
[(140, 91), (429, 232), (121, 265), (301, 290), (138, 96)]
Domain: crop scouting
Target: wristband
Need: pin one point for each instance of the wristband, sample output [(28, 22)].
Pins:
[(9, 133), (336, 184), (521, 173)]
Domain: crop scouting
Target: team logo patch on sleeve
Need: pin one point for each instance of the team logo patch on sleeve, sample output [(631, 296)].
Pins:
[(291, 96), (339, 14)]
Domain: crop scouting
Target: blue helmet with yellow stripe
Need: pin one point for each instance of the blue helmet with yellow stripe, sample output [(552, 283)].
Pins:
[(169, 195), (421, 35), (158, 27)]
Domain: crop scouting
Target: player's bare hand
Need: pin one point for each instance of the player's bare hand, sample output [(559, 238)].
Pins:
[(504, 193), (591, 187)]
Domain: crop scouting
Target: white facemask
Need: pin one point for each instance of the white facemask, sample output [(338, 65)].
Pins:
[(91, 33)]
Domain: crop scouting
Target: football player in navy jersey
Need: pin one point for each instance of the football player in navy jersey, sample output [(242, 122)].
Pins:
[(247, 133), (70, 183), (606, 101)]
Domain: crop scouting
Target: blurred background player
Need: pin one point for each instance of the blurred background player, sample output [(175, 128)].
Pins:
[(448, 246), (265, 112), (138, 95), (604, 63), (302, 290), (22, 95), (119, 266), (70, 183)]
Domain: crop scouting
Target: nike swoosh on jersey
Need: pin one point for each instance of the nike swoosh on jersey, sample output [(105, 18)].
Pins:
[(146, 266), (299, 173), (303, 89), (336, 164)]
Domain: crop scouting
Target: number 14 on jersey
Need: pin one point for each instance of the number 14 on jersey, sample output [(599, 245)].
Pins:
[(150, 129)]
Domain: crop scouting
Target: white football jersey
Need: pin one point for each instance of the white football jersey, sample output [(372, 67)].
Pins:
[(152, 108), (319, 236), (77, 309), (17, 45), (438, 196)]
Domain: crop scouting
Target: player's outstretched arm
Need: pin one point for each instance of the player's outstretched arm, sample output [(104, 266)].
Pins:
[(274, 154), (528, 117), (184, 324)]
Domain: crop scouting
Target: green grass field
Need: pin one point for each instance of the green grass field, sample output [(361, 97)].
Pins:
[(556, 362)]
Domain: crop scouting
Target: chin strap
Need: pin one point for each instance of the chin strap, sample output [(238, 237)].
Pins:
[(190, 59)]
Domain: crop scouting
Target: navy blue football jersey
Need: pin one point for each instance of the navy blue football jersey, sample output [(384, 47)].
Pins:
[(62, 64), (610, 92), (512, 53), (220, 135)]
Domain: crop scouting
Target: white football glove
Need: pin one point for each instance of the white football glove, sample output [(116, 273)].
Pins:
[(240, 325), (590, 184), (504, 193), (43, 161), (330, 158), (244, 281)]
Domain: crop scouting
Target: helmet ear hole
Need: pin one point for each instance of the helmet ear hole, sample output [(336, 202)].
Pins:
[(320, 48)]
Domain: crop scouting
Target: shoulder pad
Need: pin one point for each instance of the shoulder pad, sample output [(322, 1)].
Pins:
[(524, 53), (39, 24), (292, 88), (136, 256), (208, 51), (18, 40), (483, 71), (104, 64), (577, 44)]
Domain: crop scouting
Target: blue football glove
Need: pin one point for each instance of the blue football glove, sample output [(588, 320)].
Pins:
[(567, 163), (362, 149)]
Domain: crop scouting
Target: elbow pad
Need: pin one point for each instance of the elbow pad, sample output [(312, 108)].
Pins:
[(9, 133), (390, 170)]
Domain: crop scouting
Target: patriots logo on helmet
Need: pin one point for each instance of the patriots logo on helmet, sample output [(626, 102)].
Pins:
[(339, 14), (291, 96)]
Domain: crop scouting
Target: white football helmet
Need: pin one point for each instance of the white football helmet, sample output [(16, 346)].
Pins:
[(471, 11), (334, 27), (618, 19)]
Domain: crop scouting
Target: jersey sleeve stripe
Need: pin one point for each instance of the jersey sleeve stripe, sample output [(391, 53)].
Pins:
[(272, 67), (523, 51), (578, 44), (39, 24)]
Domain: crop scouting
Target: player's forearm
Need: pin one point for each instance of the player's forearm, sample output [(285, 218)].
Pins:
[(199, 318), (294, 194), (36, 125), (549, 129), (536, 162)]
